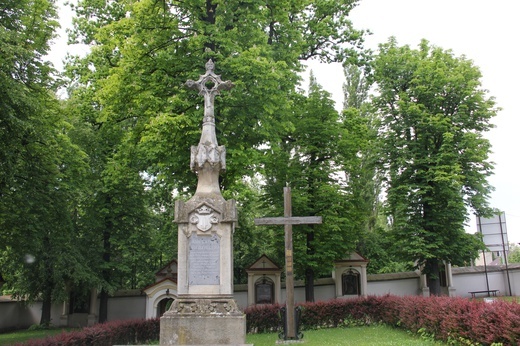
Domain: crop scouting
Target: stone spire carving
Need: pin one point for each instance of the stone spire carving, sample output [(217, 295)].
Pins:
[(208, 155)]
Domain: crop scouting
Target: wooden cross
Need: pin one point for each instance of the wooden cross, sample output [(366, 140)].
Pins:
[(288, 220)]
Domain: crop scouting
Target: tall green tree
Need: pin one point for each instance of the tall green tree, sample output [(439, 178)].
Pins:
[(365, 178), (142, 52), (434, 116), (115, 217), (311, 160), (360, 119), (39, 164)]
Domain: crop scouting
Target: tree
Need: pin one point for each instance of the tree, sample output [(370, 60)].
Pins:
[(514, 254), (360, 118), (365, 178), (311, 159), (434, 114), (40, 165), (115, 219), (144, 51)]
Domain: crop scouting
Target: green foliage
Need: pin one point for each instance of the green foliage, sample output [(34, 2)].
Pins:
[(514, 254), (434, 116), (41, 170), (139, 120), (311, 159), (144, 51)]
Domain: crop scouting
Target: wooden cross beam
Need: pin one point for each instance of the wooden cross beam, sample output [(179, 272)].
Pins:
[(288, 220)]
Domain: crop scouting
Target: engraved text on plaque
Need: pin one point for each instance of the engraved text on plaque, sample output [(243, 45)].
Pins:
[(204, 260)]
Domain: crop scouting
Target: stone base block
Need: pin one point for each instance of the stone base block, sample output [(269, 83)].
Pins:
[(203, 322)]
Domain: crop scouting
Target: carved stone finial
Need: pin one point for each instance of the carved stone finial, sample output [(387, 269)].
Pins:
[(208, 151), (210, 66), (209, 83)]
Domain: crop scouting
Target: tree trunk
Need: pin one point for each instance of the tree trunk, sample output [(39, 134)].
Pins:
[(433, 275), (309, 284), (309, 272), (103, 306), (103, 296), (45, 319)]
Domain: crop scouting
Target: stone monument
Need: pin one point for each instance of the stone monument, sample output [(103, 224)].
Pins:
[(205, 312)]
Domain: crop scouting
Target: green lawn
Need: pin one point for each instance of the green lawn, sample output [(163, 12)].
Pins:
[(358, 336), (24, 335)]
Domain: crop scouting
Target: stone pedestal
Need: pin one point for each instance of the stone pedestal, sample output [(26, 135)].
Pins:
[(203, 321)]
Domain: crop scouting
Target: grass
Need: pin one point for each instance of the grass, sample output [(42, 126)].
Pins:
[(360, 336), (513, 299), (24, 335)]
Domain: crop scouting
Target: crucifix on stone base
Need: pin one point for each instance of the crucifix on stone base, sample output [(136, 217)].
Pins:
[(288, 220)]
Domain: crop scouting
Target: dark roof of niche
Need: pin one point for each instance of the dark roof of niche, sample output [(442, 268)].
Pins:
[(263, 263), (171, 264), (354, 256), (173, 281)]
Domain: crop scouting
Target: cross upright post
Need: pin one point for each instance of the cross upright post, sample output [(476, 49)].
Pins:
[(288, 220)]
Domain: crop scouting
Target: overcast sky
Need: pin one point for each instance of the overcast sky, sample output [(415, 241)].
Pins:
[(485, 32)]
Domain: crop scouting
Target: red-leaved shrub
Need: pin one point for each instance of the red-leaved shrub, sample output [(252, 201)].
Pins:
[(129, 332), (444, 318), (263, 318)]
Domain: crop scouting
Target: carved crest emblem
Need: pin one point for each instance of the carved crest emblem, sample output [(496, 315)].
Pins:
[(204, 218)]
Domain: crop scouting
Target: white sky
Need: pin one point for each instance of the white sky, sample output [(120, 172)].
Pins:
[(485, 32)]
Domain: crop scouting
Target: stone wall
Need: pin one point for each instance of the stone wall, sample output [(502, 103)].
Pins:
[(132, 304)]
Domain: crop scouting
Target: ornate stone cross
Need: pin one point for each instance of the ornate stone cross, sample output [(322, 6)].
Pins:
[(208, 151), (288, 220), (204, 311)]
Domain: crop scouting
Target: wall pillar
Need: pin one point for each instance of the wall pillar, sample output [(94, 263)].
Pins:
[(250, 289), (64, 318), (424, 285), (92, 316), (278, 288), (364, 281), (449, 280)]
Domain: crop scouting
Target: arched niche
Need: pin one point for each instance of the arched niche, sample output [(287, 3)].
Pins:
[(351, 282), (163, 305), (264, 291), (263, 270), (350, 276), (157, 296)]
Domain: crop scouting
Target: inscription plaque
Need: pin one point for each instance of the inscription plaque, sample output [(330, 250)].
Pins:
[(264, 293), (204, 260)]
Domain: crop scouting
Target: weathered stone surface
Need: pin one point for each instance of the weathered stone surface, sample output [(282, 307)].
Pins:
[(203, 322)]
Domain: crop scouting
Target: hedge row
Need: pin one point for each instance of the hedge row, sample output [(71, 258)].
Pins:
[(447, 319), (130, 332)]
